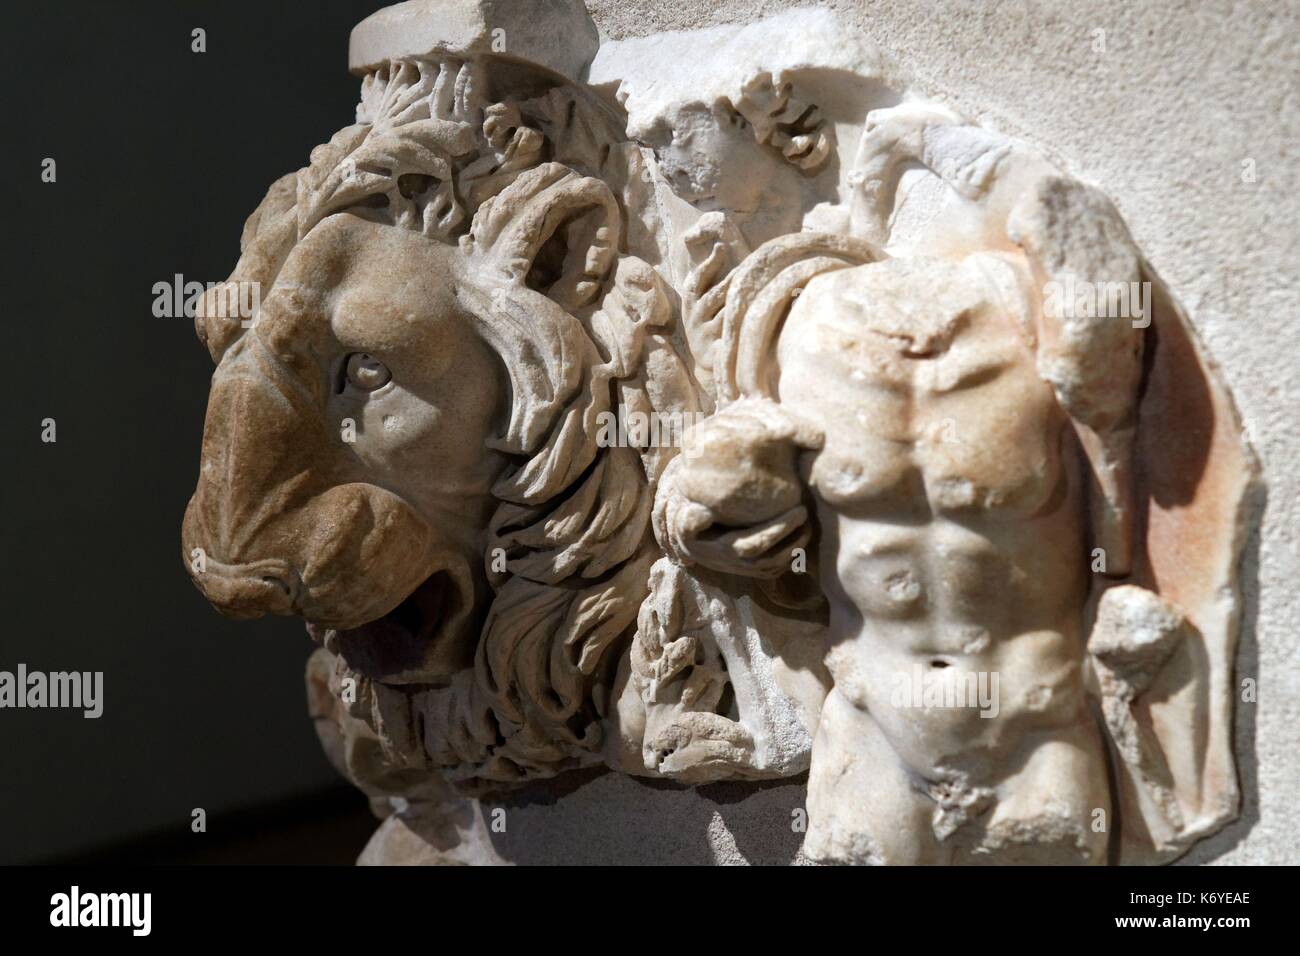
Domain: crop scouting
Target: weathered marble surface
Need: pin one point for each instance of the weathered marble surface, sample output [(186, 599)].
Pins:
[(917, 441)]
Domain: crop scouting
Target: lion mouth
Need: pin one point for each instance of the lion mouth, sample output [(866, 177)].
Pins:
[(415, 642)]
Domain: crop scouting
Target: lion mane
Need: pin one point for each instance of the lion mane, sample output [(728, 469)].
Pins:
[(534, 194)]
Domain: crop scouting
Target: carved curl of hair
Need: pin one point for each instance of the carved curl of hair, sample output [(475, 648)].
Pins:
[(573, 518)]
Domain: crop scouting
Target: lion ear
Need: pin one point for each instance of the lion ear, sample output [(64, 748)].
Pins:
[(552, 230)]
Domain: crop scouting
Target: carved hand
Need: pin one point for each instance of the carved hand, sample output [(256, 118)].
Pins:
[(732, 501)]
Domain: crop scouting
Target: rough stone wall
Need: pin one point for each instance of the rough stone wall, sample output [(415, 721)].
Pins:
[(1186, 103)]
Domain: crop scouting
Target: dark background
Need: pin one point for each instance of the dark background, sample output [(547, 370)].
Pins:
[(161, 154)]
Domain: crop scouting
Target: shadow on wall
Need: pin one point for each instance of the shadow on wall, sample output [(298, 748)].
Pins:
[(600, 818)]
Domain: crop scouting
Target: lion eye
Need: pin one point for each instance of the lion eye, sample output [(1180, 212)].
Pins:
[(366, 372)]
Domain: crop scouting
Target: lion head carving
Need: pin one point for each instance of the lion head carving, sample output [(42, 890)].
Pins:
[(401, 447)]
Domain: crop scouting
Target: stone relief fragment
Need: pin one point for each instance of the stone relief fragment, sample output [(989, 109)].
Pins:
[(751, 421)]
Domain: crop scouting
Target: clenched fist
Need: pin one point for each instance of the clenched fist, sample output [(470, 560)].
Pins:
[(732, 501)]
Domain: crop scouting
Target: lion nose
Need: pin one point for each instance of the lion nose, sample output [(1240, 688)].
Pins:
[(248, 590), (265, 454)]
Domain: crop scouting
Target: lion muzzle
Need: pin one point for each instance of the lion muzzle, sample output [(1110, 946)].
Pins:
[(246, 591)]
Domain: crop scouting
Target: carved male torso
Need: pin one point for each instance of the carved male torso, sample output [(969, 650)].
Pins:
[(952, 547)]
